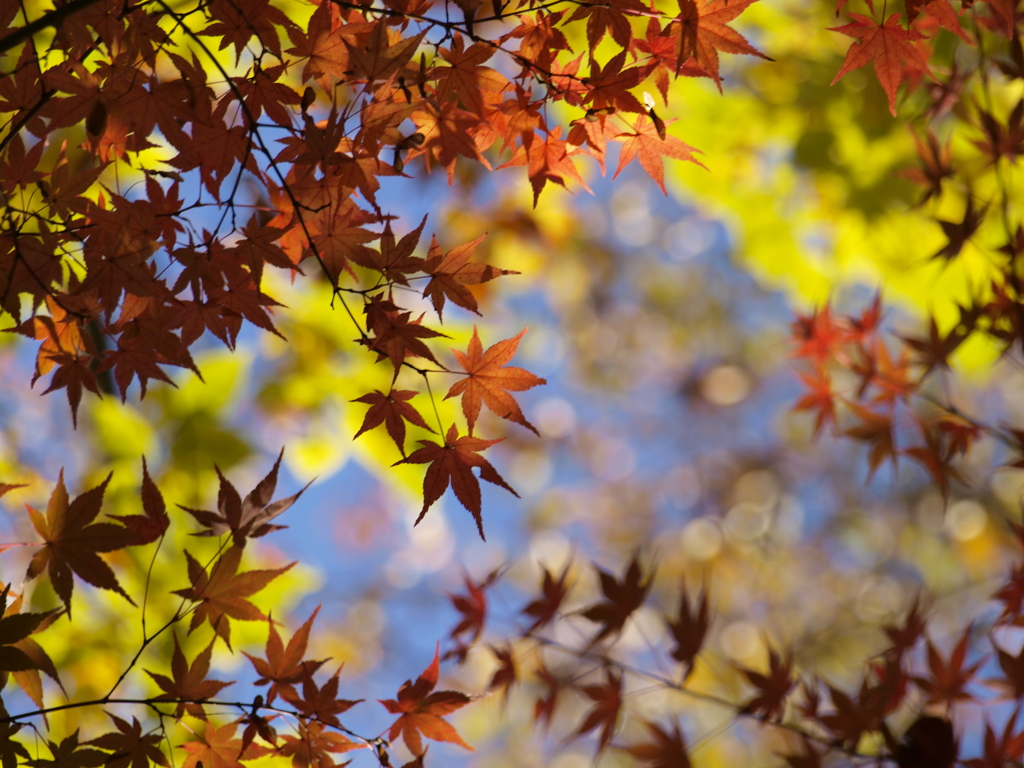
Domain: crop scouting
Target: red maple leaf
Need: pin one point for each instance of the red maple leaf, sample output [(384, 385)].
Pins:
[(188, 685), (772, 688), (422, 711), (451, 272), (607, 699), (152, 524), (544, 609), (889, 44), (948, 679), (392, 410), (622, 598), (689, 630), (453, 463), (247, 518), (130, 747), (667, 750)]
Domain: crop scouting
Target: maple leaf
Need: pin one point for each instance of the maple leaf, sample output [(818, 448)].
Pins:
[(607, 699), (152, 524), (14, 628), (876, 430), (188, 685), (905, 637), (888, 44), (689, 630), (395, 260), (67, 754), (451, 272), (852, 718), (936, 165), (819, 399), (544, 707), (131, 748), (667, 750), (313, 744), (545, 608), (489, 380), (247, 518), (12, 753), (453, 463), (284, 667), (704, 31), (622, 598), (547, 159), (1012, 667), (772, 688), (473, 606), (321, 702), (256, 724), (395, 336), (1009, 746), (218, 748), (959, 232), (16, 647), (72, 542), (222, 594), (466, 79), (935, 350), (422, 711), (948, 679), (647, 145), (507, 673), (392, 410), (1002, 141)]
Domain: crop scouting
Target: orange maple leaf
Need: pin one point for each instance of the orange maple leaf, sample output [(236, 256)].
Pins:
[(648, 146), (422, 712), (489, 381), (222, 594), (453, 463), (703, 32), (451, 272), (547, 159), (888, 44), (218, 748)]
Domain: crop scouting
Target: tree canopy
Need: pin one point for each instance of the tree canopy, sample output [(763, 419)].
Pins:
[(747, 408)]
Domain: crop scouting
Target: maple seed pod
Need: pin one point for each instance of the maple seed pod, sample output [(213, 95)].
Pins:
[(96, 123), (416, 139), (399, 165), (308, 97), (659, 124)]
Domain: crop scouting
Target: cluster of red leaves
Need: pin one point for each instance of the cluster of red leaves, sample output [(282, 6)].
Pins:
[(911, 672), (873, 387), (218, 593), (118, 284)]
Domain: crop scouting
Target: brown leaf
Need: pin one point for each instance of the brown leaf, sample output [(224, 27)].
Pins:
[(72, 542)]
